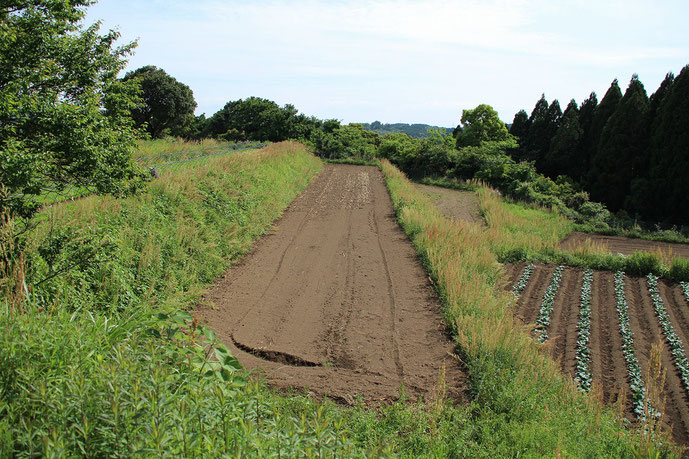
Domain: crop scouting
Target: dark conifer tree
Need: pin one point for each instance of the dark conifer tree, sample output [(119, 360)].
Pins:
[(642, 199), (586, 111), (562, 159), (520, 129), (601, 115), (669, 153), (621, 148), (538, 138)]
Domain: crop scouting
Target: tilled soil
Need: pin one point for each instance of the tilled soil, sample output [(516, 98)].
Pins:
[(624, 245), (455, 204), (335, 300), (608, 367)]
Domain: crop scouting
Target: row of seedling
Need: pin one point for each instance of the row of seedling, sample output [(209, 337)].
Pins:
[(674, 341), (685, 289), (523, 281), (636, 382), (543, 321), (582, 373)]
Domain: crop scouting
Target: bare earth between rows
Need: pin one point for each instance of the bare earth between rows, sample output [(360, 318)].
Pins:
[(608, 366), (334, 299)]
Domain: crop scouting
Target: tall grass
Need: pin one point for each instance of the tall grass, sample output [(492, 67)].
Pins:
[(521, 233), (521, 404)]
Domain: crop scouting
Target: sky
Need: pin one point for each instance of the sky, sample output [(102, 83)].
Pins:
[(402, 61)]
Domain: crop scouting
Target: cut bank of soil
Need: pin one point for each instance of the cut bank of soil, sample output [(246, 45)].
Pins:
[(624, 245), (608, 367), (335, 300), (455, 204)]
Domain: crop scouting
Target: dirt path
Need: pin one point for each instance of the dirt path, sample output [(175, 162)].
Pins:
[(455, 204), (624, 245), (334, 300)]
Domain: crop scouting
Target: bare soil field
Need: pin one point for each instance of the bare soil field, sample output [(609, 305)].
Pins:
[(335, 300), (608, 366), (455, 204), (624, 245)]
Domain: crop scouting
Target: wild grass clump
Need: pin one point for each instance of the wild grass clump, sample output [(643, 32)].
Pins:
[(521, 404), (526, 233)]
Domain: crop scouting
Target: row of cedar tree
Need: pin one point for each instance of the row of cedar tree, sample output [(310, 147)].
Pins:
[(628, 151)]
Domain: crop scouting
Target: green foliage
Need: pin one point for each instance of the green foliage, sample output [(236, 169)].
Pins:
[(168, 105), (350, 141), (669, 153), (261, 119), (479, 125), (63, 112), (622, 148)]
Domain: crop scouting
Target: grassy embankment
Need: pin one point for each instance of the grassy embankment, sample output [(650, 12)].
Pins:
[(102, 360), (522, 233), (520, 402)]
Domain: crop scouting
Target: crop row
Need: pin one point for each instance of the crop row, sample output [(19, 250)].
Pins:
[(674, 341), (583, 370), (636, 382), (523, 281), (543, 321), (685, 290)]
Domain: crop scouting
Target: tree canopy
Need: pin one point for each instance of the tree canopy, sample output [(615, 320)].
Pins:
[(481, 124), (168, 105), (63, 112)]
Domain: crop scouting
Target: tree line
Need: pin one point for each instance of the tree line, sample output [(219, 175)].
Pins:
[(630, 151), (67, 118)]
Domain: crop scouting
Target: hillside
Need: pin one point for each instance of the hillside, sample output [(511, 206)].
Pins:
[(418, 131)]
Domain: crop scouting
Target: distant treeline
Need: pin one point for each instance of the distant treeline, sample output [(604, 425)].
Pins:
[(629, 151), (418, 131)]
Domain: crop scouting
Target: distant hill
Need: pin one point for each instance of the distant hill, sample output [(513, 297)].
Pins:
[(412, 130)]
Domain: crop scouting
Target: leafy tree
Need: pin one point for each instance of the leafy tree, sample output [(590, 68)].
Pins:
[(622, 148), (168, 105), (481, 124), (63, 112), (669, 153), (254, 118), (563, 157)]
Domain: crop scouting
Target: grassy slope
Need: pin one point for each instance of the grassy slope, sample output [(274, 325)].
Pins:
[(520, 402), (103, 362)]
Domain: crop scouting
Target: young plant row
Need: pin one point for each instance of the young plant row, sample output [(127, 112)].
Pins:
[(674, 341), (685, 289), (636, 382), (543, 321), (582, 373), (523, 281)]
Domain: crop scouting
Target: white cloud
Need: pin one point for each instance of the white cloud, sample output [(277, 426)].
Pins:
[(414, 61)]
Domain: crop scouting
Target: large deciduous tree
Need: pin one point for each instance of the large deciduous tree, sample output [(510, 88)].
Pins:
[(168, 105), (63, 112), (481, 124)]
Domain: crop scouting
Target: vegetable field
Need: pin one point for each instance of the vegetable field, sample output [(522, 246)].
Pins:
[(600, 327)]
